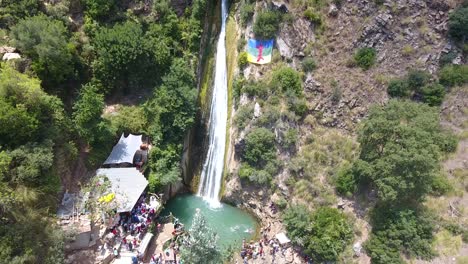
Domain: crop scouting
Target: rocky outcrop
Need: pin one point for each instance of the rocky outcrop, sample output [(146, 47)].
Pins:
[(293, 38)]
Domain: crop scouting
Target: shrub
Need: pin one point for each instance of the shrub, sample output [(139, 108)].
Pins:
[(267, 24), (345, 182), (458, 24), (308, 64), (453, 75), (365, 57), (417, 79), (447, 58), (287, 79), (242, 60), (259, 147), (433, 94), (290, 138), (244, 115), (398, 88), (440, 185), (258, 89), (241, 44), (298, 105), (99, 9), (246, 13), (313, 16)]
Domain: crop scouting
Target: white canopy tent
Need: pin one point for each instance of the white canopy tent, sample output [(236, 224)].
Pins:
[(124, 150), (282, 238), (127, 184)]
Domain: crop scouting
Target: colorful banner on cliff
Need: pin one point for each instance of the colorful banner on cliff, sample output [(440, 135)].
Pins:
[(259, 51)]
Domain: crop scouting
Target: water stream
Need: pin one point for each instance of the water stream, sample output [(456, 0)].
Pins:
[(212, 172)]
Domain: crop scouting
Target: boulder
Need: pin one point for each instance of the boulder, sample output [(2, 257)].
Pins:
[(11, 56), (257, 110)]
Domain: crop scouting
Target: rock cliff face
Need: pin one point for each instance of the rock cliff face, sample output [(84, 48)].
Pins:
[(407, 34)]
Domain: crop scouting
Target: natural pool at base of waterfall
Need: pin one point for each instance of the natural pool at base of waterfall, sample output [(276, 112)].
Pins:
[(229, 222)]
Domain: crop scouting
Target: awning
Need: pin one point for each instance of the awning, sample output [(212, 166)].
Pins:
[(282, 238), (124, 150), (127, 184)]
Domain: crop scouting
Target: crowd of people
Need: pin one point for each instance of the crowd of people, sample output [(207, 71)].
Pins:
[(255, 250), (132, 226)]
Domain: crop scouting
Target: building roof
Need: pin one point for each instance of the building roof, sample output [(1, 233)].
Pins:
[(127, 184), (124, 150)]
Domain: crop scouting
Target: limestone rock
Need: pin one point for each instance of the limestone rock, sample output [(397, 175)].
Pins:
[(257, 110), (333, 10), (7, 49)]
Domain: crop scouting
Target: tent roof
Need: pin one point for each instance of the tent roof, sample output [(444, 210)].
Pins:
[(282, 238), (124, 150), (127, 183)]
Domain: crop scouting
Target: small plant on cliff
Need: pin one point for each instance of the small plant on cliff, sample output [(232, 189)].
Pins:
[(308, 64), (267, 24), (259, 146), (433, 94), (246, 13), (242, 60), (365, 57)]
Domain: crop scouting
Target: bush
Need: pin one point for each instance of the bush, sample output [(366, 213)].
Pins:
[(267, 24), (440, 185), (453, 75), (458, 24), (345, 182), (324, 234), (433, 94), (246, 13), (365, 57), (258, 89), (287, 79), (417, 79), (99, 9), (298, 105), (259, 147), (398, 88), (242, 60), (254, 175), (313, 16), (290, 138), (308, 64), (244, 115)]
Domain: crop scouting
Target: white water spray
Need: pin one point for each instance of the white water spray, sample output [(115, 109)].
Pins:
[(212, 172)]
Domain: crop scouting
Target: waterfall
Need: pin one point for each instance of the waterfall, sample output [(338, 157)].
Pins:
[(212, 172)]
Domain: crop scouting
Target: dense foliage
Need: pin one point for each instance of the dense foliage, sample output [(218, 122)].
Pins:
[(400, 230), (170, 113), (45, 41), (454, 75), (33, 126), (401, 148), (323, 234)]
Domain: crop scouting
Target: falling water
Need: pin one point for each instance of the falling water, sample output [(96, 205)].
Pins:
[(212, 173)]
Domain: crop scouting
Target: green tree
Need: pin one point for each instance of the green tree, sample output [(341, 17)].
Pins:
[(324, 234), (17, 124), (458, 24), (45, 41), (87, 112), (259, 147), (399, 230), (200, 246), (365, 57), (126, 59), (401, 145), (266, 24)]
